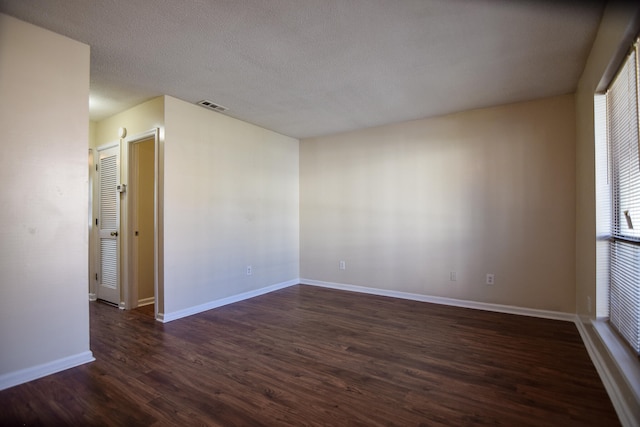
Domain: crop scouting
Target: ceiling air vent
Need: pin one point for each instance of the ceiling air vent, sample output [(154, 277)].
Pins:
[(212, 106)]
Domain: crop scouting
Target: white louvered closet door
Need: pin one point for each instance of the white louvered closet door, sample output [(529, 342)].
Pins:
[(109, 224)]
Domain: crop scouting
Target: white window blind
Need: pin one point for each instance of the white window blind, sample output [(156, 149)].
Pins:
[(622, 126)]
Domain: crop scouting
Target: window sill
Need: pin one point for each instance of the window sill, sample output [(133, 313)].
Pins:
[(627, 363)]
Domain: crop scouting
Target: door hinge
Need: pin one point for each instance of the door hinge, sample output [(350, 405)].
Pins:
[(96, 221), (96, 277), (96, 168)]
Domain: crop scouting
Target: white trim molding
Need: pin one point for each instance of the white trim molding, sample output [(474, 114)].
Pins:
[(605, 361), (500, 308), (146, 301), (93, 297), (168, 317), (608, 357), (29, 374)]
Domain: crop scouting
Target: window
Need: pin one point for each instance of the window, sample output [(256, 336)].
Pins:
[(624, 177)]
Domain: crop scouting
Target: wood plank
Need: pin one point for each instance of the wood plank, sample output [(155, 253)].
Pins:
[(313, 356)]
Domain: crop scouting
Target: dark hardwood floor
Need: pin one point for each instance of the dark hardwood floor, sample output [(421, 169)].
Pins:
[(313, 356)]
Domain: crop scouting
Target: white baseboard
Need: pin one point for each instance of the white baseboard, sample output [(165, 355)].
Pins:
[(146, 301), (29, 374), (531, 312), (168, 317), (625, 413), (93, 297)]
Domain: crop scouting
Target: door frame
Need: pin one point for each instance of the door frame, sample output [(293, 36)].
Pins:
[(92, 246), (128, 245)]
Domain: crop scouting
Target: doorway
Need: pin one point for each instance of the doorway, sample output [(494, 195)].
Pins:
[(125, 224), (142, 218)]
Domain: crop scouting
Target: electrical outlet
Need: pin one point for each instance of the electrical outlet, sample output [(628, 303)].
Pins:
[(249, 270), (342, 265), (452, 276), (490, 279)]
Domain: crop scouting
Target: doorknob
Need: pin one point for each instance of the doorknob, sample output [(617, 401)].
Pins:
[(114, 233)]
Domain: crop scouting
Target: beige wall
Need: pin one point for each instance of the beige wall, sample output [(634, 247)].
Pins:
[(231, 199), (484, 191), (44, 117), (92, 134), (141, 118)]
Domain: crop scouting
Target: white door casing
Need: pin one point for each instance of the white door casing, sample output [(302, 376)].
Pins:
[(130, 255), (108, 224)]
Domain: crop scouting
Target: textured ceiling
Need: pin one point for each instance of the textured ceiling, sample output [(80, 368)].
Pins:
[(309, 68)]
